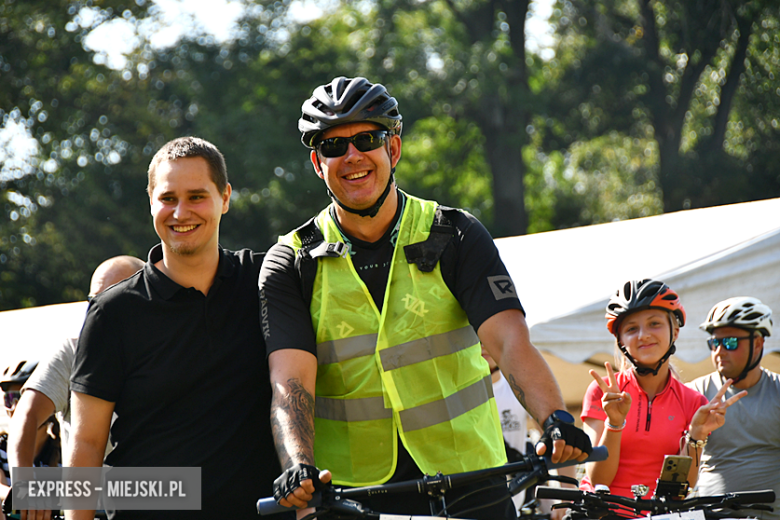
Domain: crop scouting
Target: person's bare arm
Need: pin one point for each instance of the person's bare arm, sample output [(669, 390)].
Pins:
[(33, 410), (293, 377), (616, 404), (602, 472), (707, 419), (506, 338), (31, 413), (90, 423)]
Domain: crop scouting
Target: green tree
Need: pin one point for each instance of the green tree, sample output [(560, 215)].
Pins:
[(78, 196), (463, 60), (695, 77)]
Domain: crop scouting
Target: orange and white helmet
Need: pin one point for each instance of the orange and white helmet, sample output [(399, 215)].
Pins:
[(638, 295)]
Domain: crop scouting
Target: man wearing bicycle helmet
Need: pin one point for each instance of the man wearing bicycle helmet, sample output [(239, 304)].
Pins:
[(381, 302), (644, 412), (744, 454)]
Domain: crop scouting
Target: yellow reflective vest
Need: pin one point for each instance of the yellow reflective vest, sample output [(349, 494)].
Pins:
[(415, 368)]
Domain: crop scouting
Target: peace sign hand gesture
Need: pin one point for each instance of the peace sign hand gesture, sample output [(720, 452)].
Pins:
[(616, 404), (712, 415)]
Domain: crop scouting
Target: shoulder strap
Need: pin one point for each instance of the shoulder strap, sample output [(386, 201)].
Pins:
[(426, 254), (313, 246)]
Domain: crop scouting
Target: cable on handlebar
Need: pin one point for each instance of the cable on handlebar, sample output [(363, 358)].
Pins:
[(446, 509), (597, 505)]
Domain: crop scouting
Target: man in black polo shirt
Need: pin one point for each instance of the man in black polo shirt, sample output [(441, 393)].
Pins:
[(176, 350)]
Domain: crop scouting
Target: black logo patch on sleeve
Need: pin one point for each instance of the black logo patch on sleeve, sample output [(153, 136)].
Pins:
[(502, 287)]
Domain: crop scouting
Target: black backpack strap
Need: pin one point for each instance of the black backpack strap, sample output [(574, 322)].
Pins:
[(426, 254), (313, 246)]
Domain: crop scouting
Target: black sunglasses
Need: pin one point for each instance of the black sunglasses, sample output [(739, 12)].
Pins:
[(364, 142), (730, 343)]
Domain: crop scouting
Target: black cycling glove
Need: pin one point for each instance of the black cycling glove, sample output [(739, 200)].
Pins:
[(569, 433), (290, 480)]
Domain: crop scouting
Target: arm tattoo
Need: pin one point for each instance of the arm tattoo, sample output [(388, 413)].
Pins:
[(518, 391), (292, 423)]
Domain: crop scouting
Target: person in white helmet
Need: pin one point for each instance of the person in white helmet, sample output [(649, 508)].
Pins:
[(744, 454)]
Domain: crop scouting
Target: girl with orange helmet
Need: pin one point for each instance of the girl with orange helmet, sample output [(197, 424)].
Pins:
[(644, 412)]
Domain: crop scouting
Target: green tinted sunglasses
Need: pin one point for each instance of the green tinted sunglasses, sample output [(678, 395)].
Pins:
[(730, 343)]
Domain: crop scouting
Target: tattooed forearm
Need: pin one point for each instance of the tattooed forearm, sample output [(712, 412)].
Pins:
[(518, 391), (292, 423)]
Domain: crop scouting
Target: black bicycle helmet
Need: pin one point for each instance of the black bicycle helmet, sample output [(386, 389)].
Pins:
[(638, 295), (348, 100), (17, 374)]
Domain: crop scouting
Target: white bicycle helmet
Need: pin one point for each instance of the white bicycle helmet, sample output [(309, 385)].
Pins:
[(743, 312), (17, 374)]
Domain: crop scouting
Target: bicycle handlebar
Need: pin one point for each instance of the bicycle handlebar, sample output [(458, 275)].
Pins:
[(655, 504), (530, 463), (559, 493)]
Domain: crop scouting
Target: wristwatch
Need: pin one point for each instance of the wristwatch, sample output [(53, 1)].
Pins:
[(558, 415)]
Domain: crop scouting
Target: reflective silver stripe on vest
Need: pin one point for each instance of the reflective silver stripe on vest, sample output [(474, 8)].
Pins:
[(352, 410), (446, 409), (339, 350), (428, 348)]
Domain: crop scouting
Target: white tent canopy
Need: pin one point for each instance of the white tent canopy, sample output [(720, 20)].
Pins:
[(32, 333), (564, 278)]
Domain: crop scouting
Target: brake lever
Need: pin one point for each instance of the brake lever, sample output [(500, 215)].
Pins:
[(348, 507), (564, 479)]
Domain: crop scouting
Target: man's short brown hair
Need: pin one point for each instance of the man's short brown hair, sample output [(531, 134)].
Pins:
[(186, 147)]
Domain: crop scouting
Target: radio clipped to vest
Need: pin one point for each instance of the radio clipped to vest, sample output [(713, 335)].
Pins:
[(425, 254)]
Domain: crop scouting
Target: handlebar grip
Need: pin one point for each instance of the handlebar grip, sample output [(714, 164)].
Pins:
[(269, 506), (571, 495), (598, 454), (756, 497)]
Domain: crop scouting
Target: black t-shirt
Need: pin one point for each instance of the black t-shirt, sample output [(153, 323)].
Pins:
[(189, 378), (479, 281)]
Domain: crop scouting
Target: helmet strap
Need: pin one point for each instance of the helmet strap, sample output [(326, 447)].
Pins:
[(749, 366), (368, 212), (643, 371)]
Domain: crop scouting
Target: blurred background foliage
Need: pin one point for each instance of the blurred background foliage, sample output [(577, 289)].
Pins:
[(638, 107)]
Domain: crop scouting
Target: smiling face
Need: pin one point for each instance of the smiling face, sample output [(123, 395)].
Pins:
[(187, 207), (357, 179), (646, 335)]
